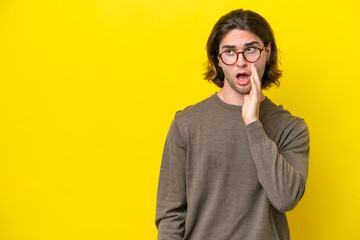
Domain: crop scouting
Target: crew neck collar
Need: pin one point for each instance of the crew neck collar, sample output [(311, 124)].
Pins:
[(218, 100)]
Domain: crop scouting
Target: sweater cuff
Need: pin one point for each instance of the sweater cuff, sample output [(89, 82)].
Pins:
[(255, 132)]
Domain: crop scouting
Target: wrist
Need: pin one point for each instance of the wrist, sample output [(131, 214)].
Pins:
[(248, 121)]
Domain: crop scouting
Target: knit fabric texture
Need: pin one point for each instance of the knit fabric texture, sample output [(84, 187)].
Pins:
[(222, 180)]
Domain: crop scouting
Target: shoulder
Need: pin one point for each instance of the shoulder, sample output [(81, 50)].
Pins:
[(280, 124), (196, 112), (277, 115)]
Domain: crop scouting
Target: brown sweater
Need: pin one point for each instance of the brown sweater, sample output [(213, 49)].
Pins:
[(222, 180)]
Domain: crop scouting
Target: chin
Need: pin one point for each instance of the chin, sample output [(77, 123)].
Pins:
[(243, 89)]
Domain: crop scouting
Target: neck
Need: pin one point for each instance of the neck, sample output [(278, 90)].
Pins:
[(232, 97)]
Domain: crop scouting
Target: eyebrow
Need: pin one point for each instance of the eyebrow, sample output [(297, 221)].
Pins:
[(252, 43), (246, 45)]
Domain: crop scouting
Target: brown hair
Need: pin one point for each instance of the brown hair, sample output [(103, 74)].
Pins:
[(242, 20)]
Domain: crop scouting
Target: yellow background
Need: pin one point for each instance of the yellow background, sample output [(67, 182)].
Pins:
[(88, 90)]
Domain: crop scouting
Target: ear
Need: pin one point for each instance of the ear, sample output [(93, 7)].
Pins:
[(268, 52), (219, 61)]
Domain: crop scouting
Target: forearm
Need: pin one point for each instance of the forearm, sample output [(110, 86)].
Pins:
[(282, 175), (170, 220), (171, 198), (171, 206)]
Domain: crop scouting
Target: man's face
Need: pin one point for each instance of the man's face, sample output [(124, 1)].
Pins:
[(237, 76)]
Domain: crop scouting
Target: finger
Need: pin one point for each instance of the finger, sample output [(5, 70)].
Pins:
[(253, 79), (256, 79), (256, 76), (254, 87)]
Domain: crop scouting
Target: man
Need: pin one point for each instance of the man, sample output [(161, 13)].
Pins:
[(234, 163)]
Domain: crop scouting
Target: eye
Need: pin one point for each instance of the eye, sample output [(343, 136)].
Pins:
[(230, 52), (250, 49)]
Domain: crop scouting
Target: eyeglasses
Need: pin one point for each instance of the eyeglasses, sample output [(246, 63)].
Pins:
[(251, 54)]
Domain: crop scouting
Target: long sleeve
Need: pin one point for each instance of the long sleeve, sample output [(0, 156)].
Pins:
[(282, 170), (171, 197)]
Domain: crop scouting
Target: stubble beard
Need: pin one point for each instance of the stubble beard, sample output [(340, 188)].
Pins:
[(243, 90)]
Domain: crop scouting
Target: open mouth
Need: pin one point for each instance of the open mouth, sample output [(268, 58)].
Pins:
[(243, 79), (242, 76)]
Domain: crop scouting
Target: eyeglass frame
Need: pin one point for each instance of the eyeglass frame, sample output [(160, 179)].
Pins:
[(237, 55)]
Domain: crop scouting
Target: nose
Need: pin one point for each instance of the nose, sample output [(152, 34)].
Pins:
[(241, 62)]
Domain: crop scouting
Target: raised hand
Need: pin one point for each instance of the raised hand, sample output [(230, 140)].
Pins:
[(250, 109)]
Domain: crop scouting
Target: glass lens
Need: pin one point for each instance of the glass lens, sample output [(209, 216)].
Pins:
[(252, 54), (229, 57)]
